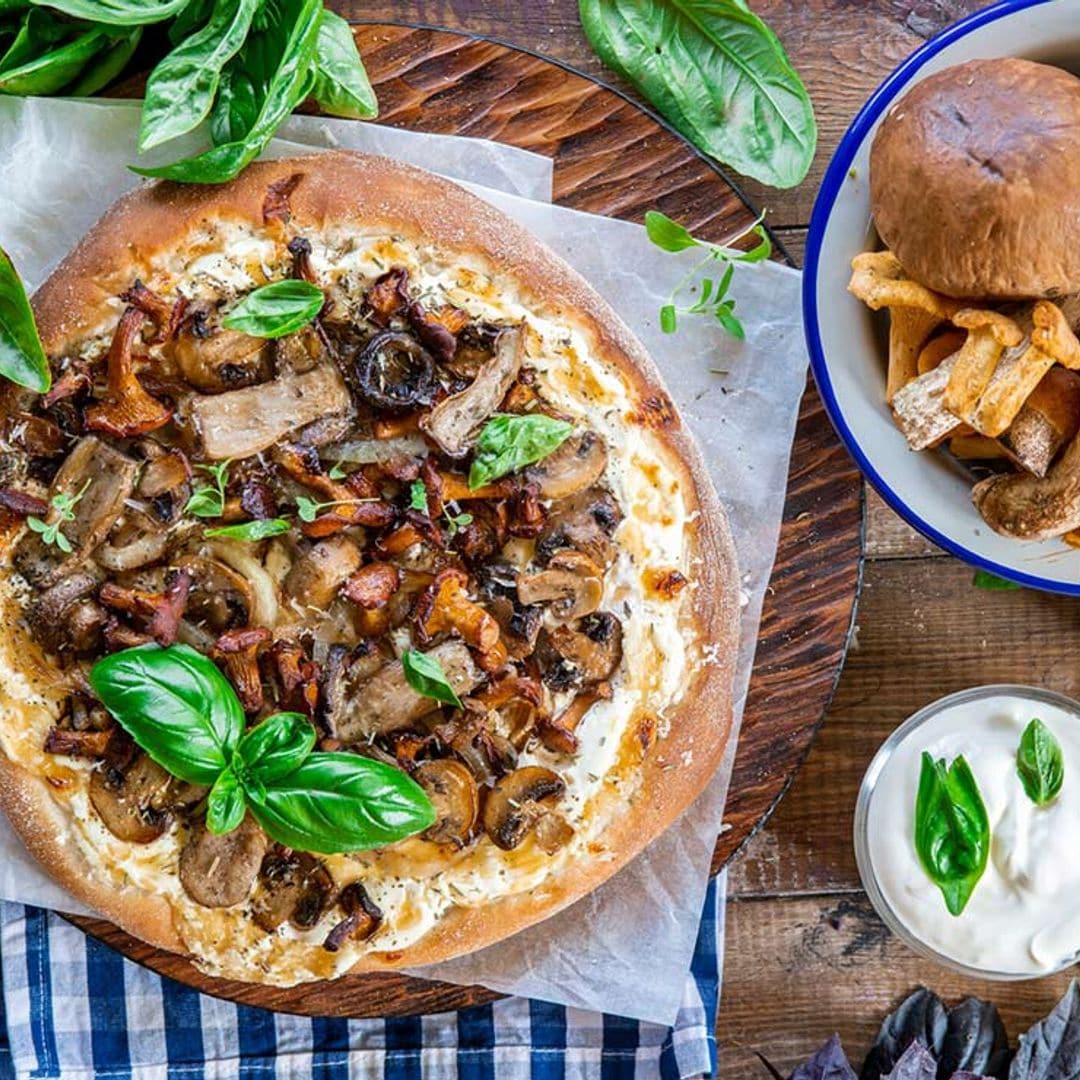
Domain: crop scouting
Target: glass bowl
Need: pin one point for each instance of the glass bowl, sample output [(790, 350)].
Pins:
[(862, 814)]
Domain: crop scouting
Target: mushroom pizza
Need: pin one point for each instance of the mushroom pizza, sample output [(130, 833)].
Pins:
[(365, 600)]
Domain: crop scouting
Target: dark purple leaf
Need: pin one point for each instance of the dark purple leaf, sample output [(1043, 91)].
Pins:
[(829, 1063), (921, 1016), (975, 1042), (915, 1063), (963, 1074), (1050, 1049)]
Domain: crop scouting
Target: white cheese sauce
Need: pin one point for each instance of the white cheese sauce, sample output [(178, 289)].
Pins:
[(1024, 915)]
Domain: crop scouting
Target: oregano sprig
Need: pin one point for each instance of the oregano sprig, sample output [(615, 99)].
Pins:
[(51, 532)]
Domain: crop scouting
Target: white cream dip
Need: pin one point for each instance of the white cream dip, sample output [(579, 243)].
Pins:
[(1024, 915)]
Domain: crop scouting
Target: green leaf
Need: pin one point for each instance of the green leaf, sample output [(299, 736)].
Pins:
[(425, 675), (717, 73), (252, 531), (22, 358), (118, 12), (53, 70), (341, 83), (341, 802), (667, 318), (730, 323), (1040, 763), (952, 829), (760, 252), (275, 747), (39, 31), (208, 501), (668, 234), (293, 39), (983, 579), (176, 705), (225, 805), (107, 66), (275, 310), (181, 89), (508, 443), (418, 496)]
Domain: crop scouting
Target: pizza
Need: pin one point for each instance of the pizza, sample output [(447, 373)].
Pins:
[(364, 597)]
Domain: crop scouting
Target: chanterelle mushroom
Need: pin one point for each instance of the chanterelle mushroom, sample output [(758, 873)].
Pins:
[(513, 807), (572, 584), (455, 422)]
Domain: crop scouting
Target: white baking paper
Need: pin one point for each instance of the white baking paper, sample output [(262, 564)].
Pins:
[(626, 948)]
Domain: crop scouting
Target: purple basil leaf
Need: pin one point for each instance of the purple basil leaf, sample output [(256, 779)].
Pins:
[(829, 1063), (920, 1016), (963, 1074), (1050, 1049), (915, 1063), (975, 1042)]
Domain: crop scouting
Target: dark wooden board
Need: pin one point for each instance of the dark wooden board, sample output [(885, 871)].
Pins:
[(612, 157)]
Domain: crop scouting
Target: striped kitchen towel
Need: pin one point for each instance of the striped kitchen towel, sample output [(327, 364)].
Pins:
[(74, 1008)]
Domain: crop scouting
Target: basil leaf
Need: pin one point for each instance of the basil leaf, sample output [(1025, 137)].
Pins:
[(667, 234), (277, 309), (276, 746), (107, 66), (983, 579), (1049, 1049), (952, 830), (175, 704), (509, 443), (717, 73), (251, 530), (341, 83), (425, 675), (39, 31), (118, 12), (225, 805), (181, 88), (1040, 763), (341, 802), (22, 359), (295, 34), (51, 71)]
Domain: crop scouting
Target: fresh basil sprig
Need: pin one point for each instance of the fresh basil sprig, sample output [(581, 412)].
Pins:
[(1040, 763), (183, 712), (718, 73), (22, 358), (425, 675), (952, 829), (713, 296), (251, 531), (277, 309), (509, 442)]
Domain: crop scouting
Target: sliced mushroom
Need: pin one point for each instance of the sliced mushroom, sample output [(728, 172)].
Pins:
[(65, 617), (585, 522), (514, 806), (362, 917), (22, 503), (220, 598), (454, 795), (394, 371), (105, 477), (218, 871), (293, 887), (552, 832), (165, 474), (572, 585), (137, 540), (386, 702), (559, 733), (36, 435), (240, 423), (577, 464), (455, 422), (214, 360), (131, 803), (582, 652), (87, 744), (316, 576)]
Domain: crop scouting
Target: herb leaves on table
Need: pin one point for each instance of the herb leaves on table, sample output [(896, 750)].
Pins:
[(717, 73), (181, 710), (952, 829), (1040, 763)]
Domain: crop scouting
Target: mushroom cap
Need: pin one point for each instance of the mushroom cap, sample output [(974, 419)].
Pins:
[(975, 180)]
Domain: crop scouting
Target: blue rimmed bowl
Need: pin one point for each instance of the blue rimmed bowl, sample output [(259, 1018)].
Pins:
[(931, 491)]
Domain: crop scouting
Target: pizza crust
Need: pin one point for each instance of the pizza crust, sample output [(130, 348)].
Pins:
[(337, 190)]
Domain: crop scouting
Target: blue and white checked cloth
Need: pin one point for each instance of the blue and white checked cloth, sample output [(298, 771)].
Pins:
[(74, 1008)]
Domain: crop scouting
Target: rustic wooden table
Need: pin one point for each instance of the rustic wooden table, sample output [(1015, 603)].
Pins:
[(806, 955)]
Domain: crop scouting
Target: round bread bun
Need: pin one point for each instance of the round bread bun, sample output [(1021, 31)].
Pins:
[(975, 180)]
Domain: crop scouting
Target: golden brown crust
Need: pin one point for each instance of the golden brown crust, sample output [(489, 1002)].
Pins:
[(380, 194)]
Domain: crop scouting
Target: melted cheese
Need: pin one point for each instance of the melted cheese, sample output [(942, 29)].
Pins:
[(415, 883)]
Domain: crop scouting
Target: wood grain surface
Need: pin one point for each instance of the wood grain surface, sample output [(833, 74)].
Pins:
[(613, 158)]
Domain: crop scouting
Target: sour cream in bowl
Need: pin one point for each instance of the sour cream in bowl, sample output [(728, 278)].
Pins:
[(1021, 917)]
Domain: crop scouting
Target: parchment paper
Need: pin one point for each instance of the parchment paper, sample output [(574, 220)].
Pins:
[(626, 948)]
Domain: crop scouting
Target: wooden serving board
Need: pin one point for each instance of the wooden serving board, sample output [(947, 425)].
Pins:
[(612, 157)]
